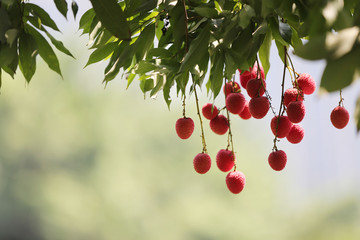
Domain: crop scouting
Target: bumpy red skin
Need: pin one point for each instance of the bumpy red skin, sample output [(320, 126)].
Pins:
[(291, 94), (283, 128), (225, 160), (252, 73), (259, 107), (339, 117), (277, 160), (219, 125), (254, 87), (231, 87), (245, 113), (202, 163), (184, 127), (296, 111), (235, 181), (306, 83), (235, 102), (296, 134), (209, 112)]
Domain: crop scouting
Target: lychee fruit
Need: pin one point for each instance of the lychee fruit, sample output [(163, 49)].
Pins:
[(225, 160), (219, 124), (277, 160), (259, 107), (296, 111), (235, 181), (296, 134), (280, 126), (250, 74), (245, 113), (292, 94), (235, 102), (184, 127), (255, 88), (306, 83), (339, 117), (202, 163), (231, 87), (209, 111)]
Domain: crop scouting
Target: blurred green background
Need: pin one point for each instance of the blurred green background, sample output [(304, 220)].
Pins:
[(78, 161)]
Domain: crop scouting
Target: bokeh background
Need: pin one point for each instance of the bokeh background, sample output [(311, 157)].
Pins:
[(80, 161)]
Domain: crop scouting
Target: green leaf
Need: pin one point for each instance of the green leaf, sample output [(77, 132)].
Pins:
[(11, 35), (159, 52), (74, 8), (198, 48), (130, 78), (357, 114), (159, 79), (177, 23), (146, 84), (340, 73), (216, 72), (62, 6), (59, 45), (274, 25), (101, 53), (7, 54), (245, 15), (206, 11), (86, 20), (45, 50), (112, 18), (27, 55), (281, 50), (5, 24), (145, 41), (43, 15), (285, 31), (264, 52)]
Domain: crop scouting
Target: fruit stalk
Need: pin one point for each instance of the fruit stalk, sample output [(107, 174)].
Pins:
[(201, 122)]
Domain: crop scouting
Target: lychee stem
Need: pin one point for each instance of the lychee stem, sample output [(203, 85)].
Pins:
[(265, 90), (230, 140), (184, 111), (201, 122), (341, 102)]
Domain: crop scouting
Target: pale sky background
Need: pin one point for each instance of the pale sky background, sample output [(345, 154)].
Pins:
[(327, 161)]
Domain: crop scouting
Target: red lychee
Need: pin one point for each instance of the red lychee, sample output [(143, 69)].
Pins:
[(184, 127), (296, 111), (202, 163), (339, 117), (250, 74), (231, 87), (306, 83), (277, 160), (245, 113), (225, 160), (235, 181), (259, 107), (219, 124), (209, 111), (296, 134), (291, 94), (281, 126), (235, 102), (254, 87)]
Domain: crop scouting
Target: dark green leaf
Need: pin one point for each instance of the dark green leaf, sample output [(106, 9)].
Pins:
[(274, 25), (158, 52), (5, 24), (216, 72), (144, 67), (101, 53), (7, 54), (264, 52), (281, 50), (27, 55), (62, 6), (145, 41), (43, 15), (59, 45), (86, 20), (177, 23), (8, 2), (112, 18), (166, 90), (11, 35), (11, 68), (45, 50), (285, 31), (206, 11), (74, 8)]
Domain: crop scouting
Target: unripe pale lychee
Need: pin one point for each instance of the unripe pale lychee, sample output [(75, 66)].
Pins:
[(235, 181), (306, 83), (225, 160), (280, 126), (250, 74), (254, 87), (296, 111), (259, 107), (184, 127), (245, 113), (291, 94), (231, 87), (219, 124), (339, 117), (202, 163), (235, 102), (277, 160), (209, 112), (296, 134)]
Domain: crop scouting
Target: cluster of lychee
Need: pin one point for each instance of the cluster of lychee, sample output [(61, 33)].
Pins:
[(282, 125)]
